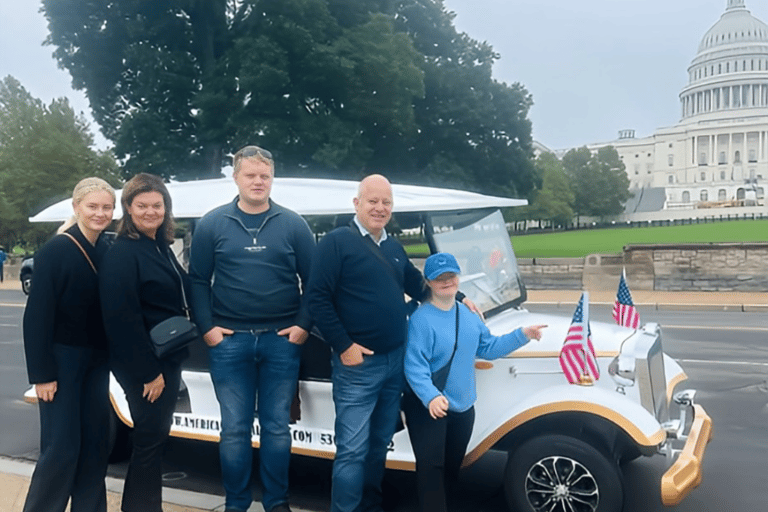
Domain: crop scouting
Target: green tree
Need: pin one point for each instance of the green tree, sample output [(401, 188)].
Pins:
[(553, 201), (600, 185), (332, 87), (44, 152)]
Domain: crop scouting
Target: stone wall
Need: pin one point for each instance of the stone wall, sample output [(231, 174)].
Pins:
[(689, 267), (705, 267), (552, 273)]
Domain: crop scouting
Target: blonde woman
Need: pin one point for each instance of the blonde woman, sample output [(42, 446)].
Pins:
[(66, 353)]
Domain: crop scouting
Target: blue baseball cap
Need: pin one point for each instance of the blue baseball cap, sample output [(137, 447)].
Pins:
[(440, 263)]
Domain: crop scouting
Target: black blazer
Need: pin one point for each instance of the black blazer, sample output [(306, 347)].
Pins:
[(139, 289), (63, 305)]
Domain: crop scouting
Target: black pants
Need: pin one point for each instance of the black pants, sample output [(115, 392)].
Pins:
[(73, 436), (143, 490), (439, 446)]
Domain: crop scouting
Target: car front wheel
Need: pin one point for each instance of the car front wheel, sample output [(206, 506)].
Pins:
[(26, 284), (556, 473)]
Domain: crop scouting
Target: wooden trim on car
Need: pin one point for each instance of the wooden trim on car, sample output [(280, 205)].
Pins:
[(566, 406), (672, 383), (117, 411)]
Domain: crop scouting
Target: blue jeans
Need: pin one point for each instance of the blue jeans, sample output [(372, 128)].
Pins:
[(367, 402), (241, 364)]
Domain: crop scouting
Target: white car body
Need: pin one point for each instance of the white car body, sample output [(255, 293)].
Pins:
[(524, 401)]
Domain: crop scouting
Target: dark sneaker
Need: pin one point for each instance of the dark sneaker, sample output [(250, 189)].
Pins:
[(283, 507)]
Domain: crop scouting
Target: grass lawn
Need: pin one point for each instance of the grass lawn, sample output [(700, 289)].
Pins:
[(584, 242), (566, 244)]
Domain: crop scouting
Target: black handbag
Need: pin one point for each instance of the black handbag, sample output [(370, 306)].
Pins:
[(440, 377), (172, 335), (176, 332)]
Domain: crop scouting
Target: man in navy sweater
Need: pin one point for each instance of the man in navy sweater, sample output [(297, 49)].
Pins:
[(356, 298), (248, 262)]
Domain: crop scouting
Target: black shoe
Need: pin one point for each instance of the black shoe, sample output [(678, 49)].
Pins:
[(283, 507)]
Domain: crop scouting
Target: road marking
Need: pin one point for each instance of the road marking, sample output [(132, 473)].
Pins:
[(9, 325), (12, 304), (715, 327), (706, 361)]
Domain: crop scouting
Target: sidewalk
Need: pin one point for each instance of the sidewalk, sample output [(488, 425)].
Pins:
[(14, 483), (750, 302)]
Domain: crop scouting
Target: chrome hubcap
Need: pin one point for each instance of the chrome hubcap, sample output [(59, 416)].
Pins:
[(561, 484)]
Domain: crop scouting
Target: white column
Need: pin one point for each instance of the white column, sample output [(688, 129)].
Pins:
[(695, 151), (744, 155), (729, 155)]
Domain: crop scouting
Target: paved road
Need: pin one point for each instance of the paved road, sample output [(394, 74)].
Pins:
[(724, 353)]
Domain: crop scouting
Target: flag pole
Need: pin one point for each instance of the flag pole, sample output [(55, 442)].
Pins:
[(585, 379)]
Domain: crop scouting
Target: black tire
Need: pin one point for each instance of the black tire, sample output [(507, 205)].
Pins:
[(119, 439), (556, 473)]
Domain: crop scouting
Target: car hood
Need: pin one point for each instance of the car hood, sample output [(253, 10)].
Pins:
[(606, 338)]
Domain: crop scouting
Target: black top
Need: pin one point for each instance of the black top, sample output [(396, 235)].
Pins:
[(63, 305), (139, 289)]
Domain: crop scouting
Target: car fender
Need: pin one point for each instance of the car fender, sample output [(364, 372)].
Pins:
[(501, 413)]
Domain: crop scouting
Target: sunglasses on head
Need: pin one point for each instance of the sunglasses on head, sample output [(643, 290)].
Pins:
[(249, 151)]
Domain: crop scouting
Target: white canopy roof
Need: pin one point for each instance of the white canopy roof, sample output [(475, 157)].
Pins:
[(306, 196)]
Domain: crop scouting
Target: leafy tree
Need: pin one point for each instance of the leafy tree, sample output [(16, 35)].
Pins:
[(44, 152), (553, 201), (474, 130), (331, 87), (600, 185)]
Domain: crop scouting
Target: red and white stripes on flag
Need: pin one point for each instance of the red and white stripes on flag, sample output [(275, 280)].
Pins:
[(624, 310), (577, 357)]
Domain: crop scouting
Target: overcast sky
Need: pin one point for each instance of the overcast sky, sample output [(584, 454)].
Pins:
[(594, 67)]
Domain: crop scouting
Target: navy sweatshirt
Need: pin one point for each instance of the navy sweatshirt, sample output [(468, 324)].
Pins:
[(250, 280), (354, 298)]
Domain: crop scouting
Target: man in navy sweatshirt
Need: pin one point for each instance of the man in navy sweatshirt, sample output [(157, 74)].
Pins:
[(356, 298), (248, 261)]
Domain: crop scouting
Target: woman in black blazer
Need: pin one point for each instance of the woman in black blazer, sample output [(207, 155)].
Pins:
[(66, 353), (141, 285)]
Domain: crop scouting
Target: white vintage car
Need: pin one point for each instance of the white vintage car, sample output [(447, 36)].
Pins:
[(566, 442)]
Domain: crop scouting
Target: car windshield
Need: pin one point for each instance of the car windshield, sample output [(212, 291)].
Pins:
[(481, 244)]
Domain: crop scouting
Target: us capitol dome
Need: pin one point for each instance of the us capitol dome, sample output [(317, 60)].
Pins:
[(715, 160)]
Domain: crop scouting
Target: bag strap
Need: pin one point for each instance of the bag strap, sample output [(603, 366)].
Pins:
[(376, 250), (171, 258), (83, 251), (456, 341)]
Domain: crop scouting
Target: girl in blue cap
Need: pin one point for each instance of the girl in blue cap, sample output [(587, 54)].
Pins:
[(444, 337)]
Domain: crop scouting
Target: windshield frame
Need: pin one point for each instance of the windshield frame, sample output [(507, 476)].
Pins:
[(468, 218)]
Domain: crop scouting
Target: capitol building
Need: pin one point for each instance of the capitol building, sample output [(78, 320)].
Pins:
[(715, 160)]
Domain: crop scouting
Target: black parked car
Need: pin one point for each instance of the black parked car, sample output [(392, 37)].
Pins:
[(25, 274)]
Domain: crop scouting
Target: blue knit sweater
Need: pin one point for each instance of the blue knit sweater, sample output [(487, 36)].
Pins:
[(354, 297), (431, 337)]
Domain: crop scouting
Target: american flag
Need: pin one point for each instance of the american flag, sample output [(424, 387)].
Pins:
[(624, 310), (577, 357)]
